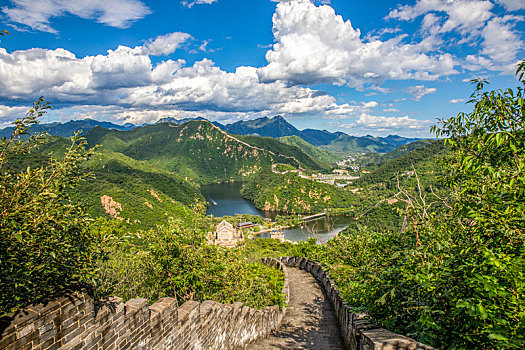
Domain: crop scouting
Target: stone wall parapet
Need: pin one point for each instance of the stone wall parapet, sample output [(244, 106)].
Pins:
[(74, 321), (357, 331)]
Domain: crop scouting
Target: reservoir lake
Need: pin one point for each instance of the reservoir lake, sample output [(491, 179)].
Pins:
[(225, 199)]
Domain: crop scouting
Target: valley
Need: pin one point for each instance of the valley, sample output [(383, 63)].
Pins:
[(189, 210), (285, 174), (145, 175)]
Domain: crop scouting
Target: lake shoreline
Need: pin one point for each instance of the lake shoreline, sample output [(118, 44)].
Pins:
[(229, 201)]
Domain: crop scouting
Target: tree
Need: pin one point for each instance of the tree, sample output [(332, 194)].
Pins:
[(45, 244), (462, 283)]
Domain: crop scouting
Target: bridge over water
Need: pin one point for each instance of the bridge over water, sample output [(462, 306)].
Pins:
[(312, 217)]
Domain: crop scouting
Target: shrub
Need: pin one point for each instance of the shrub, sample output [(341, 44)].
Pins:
[(454, 277), (45, 244), (174, 260), (462, 283)]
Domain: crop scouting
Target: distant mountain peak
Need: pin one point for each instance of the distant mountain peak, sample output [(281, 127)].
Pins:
[(69, 128), (178, 121)]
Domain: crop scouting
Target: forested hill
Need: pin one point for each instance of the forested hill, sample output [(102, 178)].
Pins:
[(290, 193), (200, 151), (320, 154), (135, 192), (423, 159), (374, 159), (303, 152), (356, 144), (69, 128)]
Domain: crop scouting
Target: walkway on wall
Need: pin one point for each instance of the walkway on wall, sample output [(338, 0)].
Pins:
[(310, 321)]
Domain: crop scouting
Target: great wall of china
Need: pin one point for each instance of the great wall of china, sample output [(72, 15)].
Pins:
[(316, 317)]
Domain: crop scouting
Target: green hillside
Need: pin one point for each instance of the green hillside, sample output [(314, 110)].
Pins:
[(301, 154), (377, 159), (423, 159), (378, 205), (320, 154), (198, 151), (352, 144), (290, 193), (139, 193)]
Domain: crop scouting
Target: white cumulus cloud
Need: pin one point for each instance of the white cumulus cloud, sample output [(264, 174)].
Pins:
[(314, 45), (126, 78), (464, 16), (501, 42), (419, 91), (512, 5), (164, 44), (37, 14), (469, 22), (10, 113), (380, 125)]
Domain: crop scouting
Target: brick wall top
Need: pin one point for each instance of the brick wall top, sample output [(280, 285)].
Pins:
[(73, 321), (357, 331)]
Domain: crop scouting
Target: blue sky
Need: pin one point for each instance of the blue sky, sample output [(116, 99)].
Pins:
[(363, 67)]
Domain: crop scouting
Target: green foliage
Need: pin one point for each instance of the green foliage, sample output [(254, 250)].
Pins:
[(320, 154), (454, 278), (482, 235), (287, 220), (357, 260), (283, 167), (174, 260), (259, 248), (290, 193), (45, 244)]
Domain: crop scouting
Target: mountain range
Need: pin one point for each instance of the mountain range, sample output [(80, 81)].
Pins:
[(69, 128), (276, 127), (200, 151), (148, 173)]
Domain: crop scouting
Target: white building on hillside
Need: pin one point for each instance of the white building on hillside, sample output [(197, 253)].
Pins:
[(226, 235)]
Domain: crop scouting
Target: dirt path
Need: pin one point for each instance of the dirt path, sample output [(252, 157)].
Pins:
[(309, 322)]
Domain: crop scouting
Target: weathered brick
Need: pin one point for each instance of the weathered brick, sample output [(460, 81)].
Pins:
[(74, 322)]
